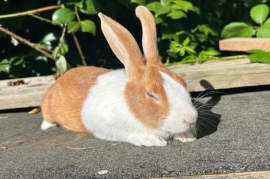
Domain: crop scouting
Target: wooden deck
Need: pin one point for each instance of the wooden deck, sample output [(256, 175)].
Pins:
[(209, 75), (245, 175), (224, 74)]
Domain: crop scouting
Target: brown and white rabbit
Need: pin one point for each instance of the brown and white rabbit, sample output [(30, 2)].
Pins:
[(144, 104)]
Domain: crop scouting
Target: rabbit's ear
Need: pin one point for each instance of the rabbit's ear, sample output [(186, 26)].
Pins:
[(149, 40), (123, 45)]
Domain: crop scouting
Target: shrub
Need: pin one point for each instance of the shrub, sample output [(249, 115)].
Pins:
[(259, 28), (188, 31)]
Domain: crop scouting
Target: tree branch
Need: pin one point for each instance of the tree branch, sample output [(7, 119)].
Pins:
[(76, 13), (79, 48), (61, 40), (31, 11), (35, 46)]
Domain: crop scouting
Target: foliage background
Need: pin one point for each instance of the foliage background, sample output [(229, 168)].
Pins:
[(188, 31)]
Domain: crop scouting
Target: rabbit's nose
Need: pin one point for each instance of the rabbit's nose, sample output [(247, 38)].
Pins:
[(190, 117)]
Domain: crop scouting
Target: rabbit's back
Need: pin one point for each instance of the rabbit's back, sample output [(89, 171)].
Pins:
[(62, 103)]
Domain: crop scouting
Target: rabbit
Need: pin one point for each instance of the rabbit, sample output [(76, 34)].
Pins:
[(143, 104)]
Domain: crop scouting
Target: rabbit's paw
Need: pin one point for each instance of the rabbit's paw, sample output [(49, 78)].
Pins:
[(46, 125), (184, 137), (150, 140)]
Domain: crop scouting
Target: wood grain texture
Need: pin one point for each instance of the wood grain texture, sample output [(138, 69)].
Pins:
[(244, 44), (245, 175), (224, 74), (27, 95), (199, 77)]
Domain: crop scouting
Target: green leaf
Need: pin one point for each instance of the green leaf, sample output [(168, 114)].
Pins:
[(4, 65), (88, 26), (55, 52), (173, 56), (49, 41), (174, 44), (167, 61), (189, 49), (259, 13), (264, 31), (177, 14), (16, 60), (189, 59), (89, 7), (49, 38), (255, 51), (163, 2), (4, 61), (196, 9), (182, 52), (140, 2), (180, 32), (237, 29), (73, 26), (202, 55), (252, 58), (206, 54), (211, 52), (207, 30), (186, 41), (63, 48), (201, 37), (261, 57), (174, 47), (80, 4), (63, 16), (61, 65), (183, 5), (157, 8), (70, 2), (158, 20), (168, 36)]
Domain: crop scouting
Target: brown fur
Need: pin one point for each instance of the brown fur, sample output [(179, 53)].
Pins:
[(122, 44), (175, 76), (151, 112), (62, 103), (148, 110), (149, 41)]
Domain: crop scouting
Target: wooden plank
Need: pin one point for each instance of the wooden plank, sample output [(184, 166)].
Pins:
[(199, 77), (224, 74), (26, 95), (245, 175), (244, 44)]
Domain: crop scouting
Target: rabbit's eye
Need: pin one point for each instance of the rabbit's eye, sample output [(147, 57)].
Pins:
[(151, 95)]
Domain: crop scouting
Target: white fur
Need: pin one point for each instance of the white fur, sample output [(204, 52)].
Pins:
[(106, 114), (181, 107), (46, 125), (185, 137)]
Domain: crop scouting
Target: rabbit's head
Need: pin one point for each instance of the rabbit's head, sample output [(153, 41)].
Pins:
[(156, 96)]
